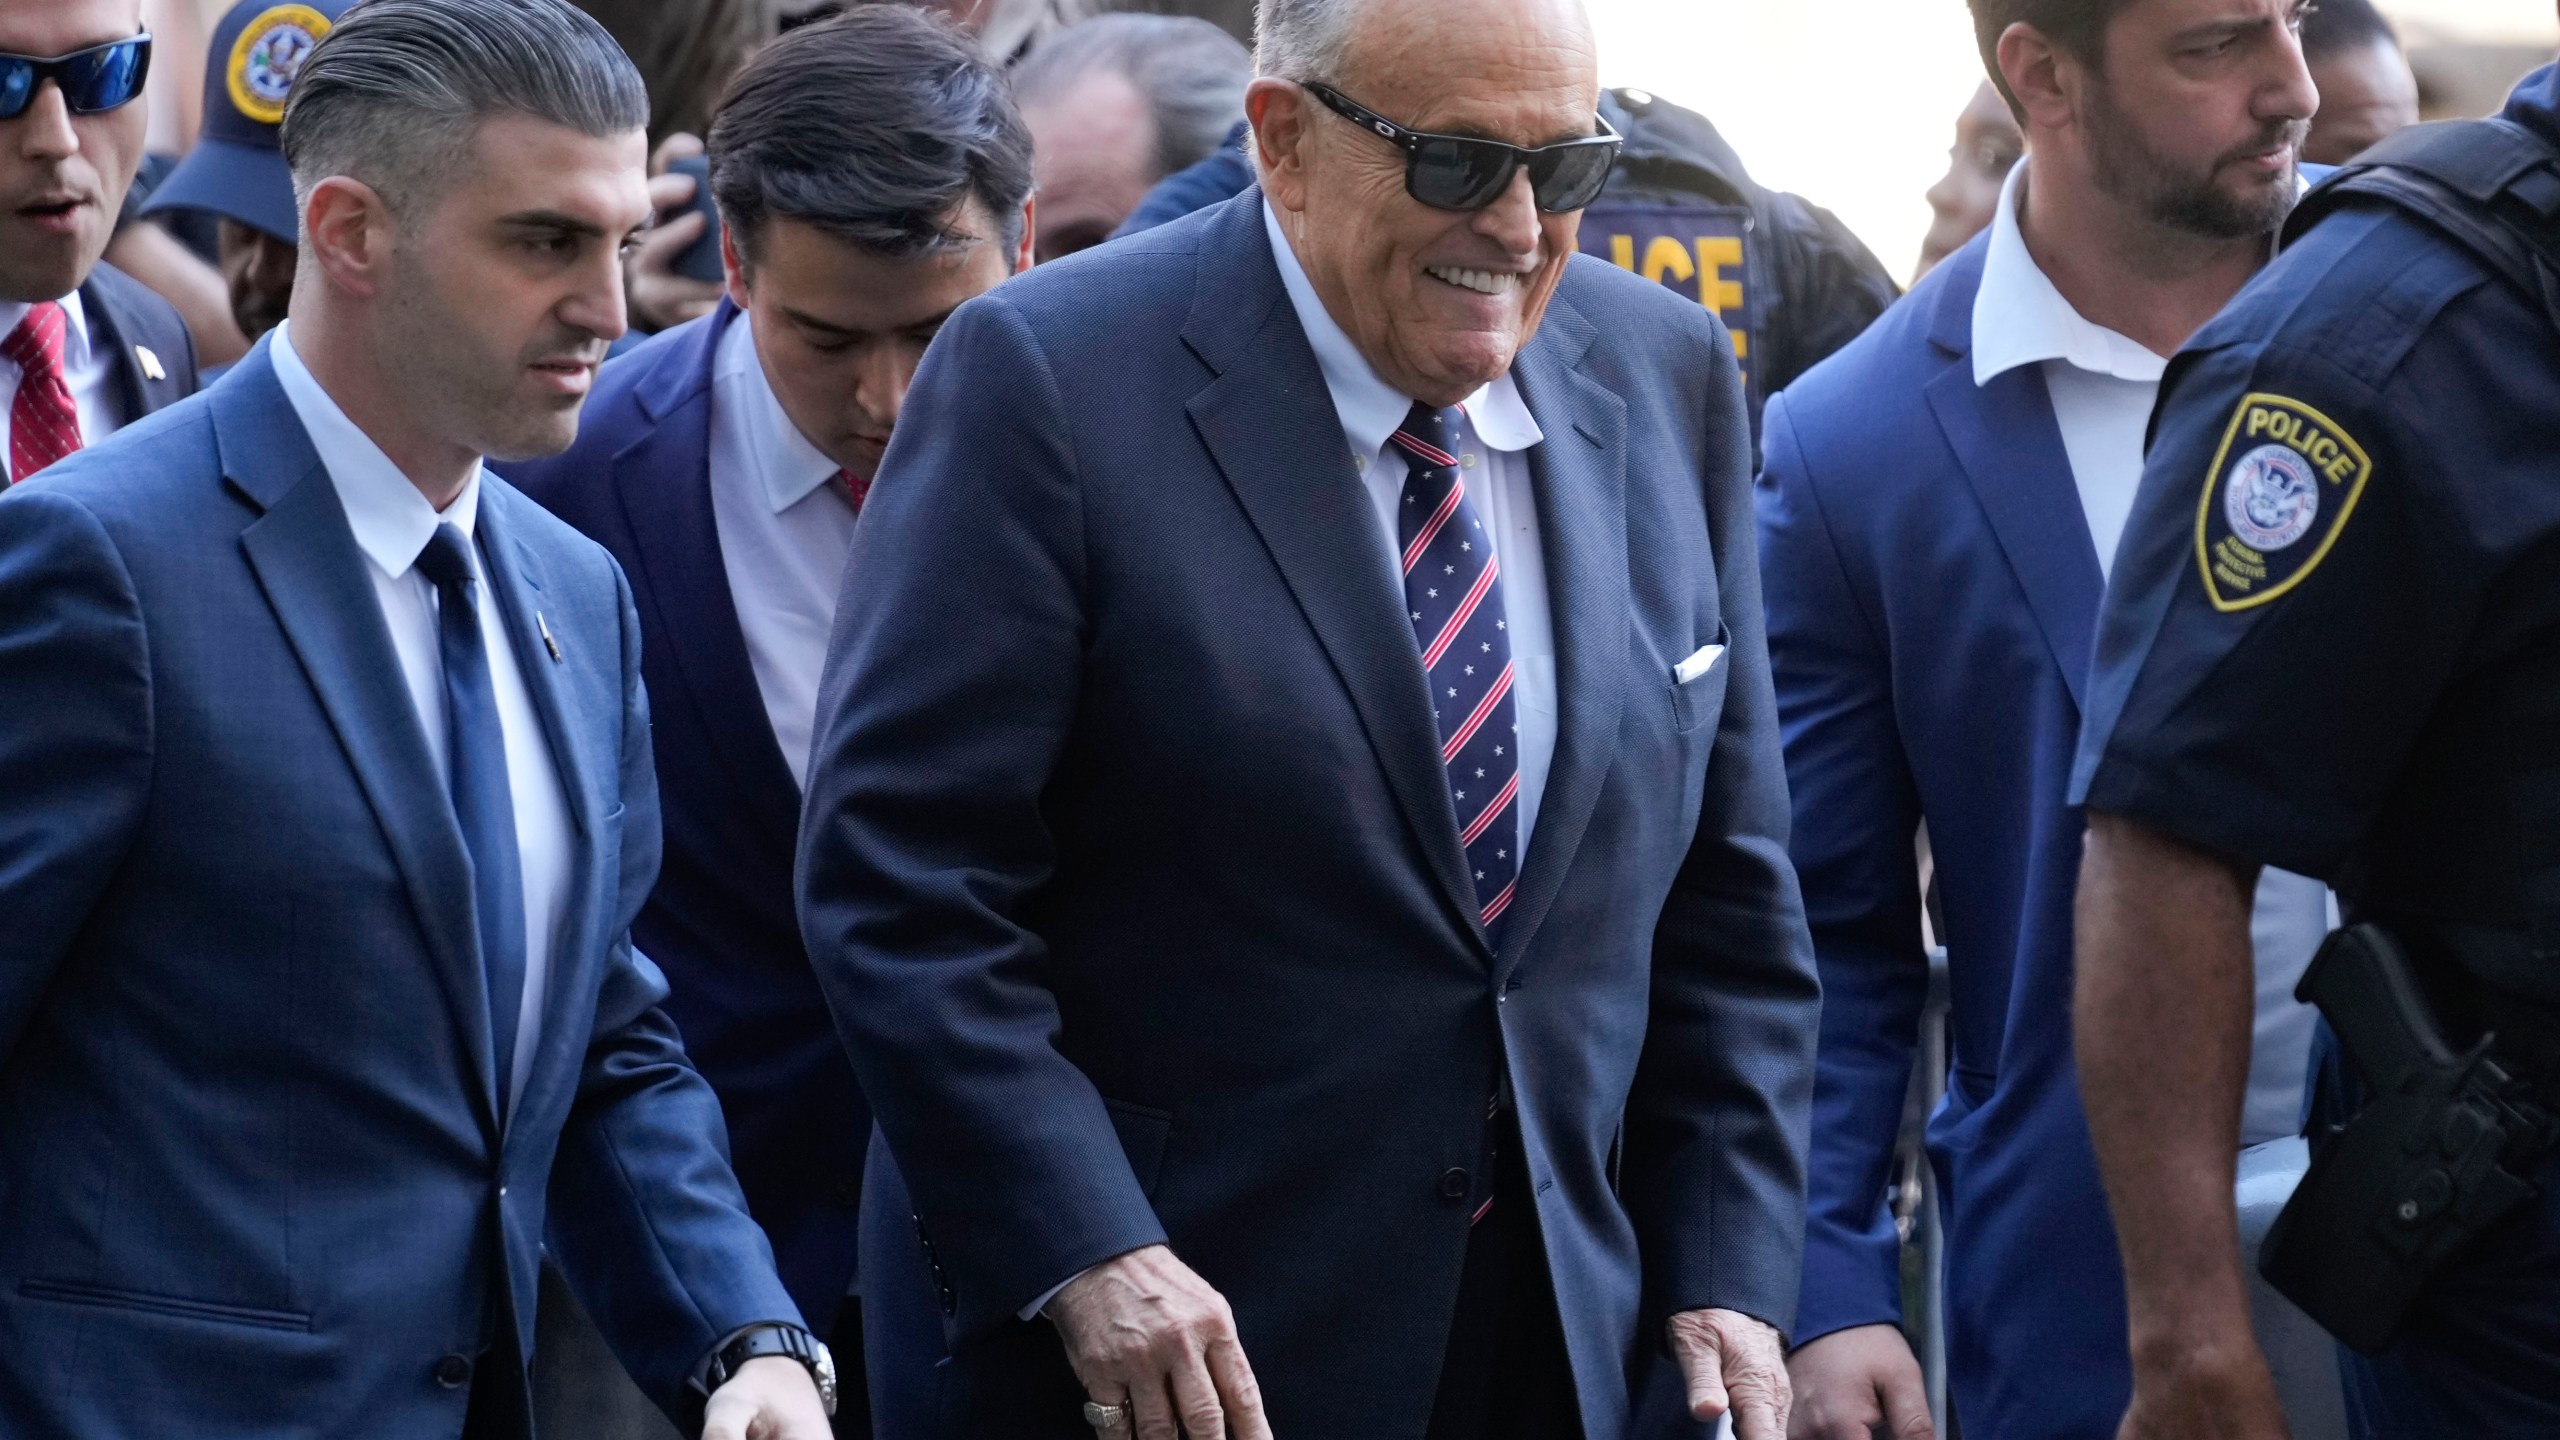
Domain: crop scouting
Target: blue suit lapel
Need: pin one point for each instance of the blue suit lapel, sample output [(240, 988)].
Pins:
[(663, 481), (1580, 472), (2005, 438), (1274, 434), (314, 576)]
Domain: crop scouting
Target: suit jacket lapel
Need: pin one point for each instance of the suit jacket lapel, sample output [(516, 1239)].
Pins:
[(106, 336), (1273, 431), (2005, 437), (662, 479), (314, 576), (1580, 475)]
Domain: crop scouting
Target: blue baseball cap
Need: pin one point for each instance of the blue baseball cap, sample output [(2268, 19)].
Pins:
[(237, 169)]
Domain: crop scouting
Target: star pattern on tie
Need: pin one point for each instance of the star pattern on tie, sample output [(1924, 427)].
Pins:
[(854, 488), (44, 423), (1474, 691)]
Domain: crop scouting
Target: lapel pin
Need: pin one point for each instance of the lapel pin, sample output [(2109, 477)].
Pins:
[(151, 367), (547, 642)]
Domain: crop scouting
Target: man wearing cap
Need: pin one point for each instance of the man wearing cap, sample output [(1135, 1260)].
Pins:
[(237, 172), (84, 349)]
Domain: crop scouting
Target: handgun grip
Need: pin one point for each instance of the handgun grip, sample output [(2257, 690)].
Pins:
[(2363, 983)]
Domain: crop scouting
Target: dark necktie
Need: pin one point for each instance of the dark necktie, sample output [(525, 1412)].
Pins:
[(44, 423), (483, 802), (1453, 592)]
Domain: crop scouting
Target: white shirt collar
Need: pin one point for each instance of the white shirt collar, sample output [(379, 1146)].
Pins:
[(392, 521), (1370, 408), (75, 328), (2019, 318), (788, 468)]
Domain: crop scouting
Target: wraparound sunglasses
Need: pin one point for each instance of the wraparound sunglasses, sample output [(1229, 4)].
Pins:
[(1462, 172), (94, 80)]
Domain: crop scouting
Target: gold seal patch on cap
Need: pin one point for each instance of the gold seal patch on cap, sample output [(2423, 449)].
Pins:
[(268, 55)]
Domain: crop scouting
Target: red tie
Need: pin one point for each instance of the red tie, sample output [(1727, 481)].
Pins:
[(856, 489), (44, 425)]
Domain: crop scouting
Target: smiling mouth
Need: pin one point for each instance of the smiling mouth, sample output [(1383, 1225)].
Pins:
[(1483, 282)]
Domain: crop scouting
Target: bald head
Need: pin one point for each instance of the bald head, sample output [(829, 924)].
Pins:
[(1439, 301)]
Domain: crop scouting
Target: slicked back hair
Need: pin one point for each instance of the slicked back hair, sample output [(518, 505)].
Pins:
[(2079, 27), (874, 127), (394, 93)]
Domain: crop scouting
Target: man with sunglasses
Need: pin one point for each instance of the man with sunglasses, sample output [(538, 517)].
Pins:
[(1295, 839), (84, 349)]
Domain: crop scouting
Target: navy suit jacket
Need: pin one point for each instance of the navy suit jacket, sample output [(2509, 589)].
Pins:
[(1130, 867), (721, 920), (124, 314), (254, 1179), (1933, 596)]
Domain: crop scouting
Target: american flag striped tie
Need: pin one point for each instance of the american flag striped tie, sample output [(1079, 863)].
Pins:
[(1453, 593), (44, 424)]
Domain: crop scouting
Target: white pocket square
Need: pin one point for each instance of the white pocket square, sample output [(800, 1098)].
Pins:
[(1697, 665)]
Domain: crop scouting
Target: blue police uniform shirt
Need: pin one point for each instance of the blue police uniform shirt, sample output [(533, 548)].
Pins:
[(2346, 544)]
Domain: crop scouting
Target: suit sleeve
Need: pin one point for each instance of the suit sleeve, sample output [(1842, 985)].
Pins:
[(1713, 1168), (951, 688), (76, 744), (1857, 814), (647, 1220)]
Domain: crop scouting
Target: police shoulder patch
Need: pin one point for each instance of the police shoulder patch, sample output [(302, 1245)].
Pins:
[(268, 54), (2282, 488)]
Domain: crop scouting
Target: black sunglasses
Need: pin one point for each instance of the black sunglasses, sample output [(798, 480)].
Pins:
[(1461, 172), (97, 79)]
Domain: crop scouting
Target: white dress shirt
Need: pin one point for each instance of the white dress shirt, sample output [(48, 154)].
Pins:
[(785, 530), (2103, 385), (88, 370), (1494, 435), (392, 523)]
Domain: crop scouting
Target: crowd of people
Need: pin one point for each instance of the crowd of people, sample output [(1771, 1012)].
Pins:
[(704, 731)]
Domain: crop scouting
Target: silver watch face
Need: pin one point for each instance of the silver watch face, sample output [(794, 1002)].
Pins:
[(822, 1367)]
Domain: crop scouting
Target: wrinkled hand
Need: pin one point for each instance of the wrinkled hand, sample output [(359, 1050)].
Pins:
[(1735, 1363), (1850, 1382), (1146, 1332), (2204, 1392), (770, 1398), (659, 297)]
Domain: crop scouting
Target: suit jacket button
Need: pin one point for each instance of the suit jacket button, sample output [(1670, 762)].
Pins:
[(453, 1372), (1454, 1184)]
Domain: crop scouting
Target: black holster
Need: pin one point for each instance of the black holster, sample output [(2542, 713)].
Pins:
[(2443, 1149)]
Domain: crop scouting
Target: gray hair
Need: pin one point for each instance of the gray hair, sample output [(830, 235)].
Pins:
[(392, 95), (1191, 74), (1302, 40)]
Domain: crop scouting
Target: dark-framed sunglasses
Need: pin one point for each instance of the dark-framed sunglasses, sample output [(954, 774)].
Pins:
[(93, 81), (1462, 172)]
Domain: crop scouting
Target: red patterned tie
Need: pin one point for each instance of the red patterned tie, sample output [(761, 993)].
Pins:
[(856, 489), (44, 424)]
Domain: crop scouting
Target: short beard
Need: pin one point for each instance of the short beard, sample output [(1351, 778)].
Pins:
[(465, 395), (2190, 203)]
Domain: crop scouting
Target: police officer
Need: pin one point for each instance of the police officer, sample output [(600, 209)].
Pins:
[(2333, 645), (236, 173), (1785, 276)]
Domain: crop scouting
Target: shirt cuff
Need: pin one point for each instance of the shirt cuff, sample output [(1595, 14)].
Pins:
[(1032, 1310)]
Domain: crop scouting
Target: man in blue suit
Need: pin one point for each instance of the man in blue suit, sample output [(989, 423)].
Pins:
[(328, 803), (1937, 512), (873, 175), (1295, 841)]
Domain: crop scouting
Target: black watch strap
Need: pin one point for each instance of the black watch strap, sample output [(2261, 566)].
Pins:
[(771, 1338)]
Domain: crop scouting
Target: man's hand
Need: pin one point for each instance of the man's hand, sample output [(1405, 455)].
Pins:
[(1146, 1332), (1735, 1363), (770, 1398), (1851, 1381), (2204, 1392), (661, 299)]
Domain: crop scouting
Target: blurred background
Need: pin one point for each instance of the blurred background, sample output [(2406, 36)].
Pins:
[(1851, 103)]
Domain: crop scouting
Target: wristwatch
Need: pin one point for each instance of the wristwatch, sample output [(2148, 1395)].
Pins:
[(772, 1338)]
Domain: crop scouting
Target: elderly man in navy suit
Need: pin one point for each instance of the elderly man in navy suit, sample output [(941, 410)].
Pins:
[(1296, 836), (327, 803), (873, 176)]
